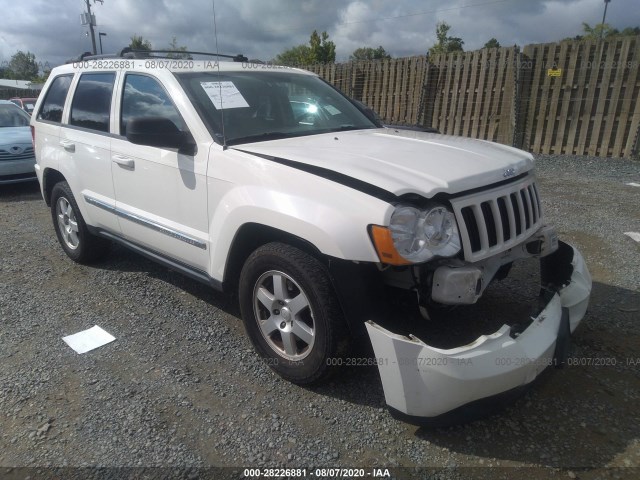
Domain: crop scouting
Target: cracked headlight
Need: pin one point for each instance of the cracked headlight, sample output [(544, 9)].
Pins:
[(420, 235)]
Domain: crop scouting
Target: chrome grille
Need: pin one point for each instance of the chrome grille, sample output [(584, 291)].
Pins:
[(495, 220), (7, 155)]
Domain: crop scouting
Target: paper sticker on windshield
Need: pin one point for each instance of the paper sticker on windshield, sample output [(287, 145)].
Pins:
[(332, 110), (224, 95)]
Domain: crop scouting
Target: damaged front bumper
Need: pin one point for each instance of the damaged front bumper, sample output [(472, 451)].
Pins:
[(429, 386)]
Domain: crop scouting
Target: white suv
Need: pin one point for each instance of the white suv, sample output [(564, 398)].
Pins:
[(268, 182)]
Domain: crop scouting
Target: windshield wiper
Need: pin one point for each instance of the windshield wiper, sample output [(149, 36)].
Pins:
[(346, 128), (260, 137)]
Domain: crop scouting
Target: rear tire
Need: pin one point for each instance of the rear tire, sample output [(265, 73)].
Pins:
[(74, 236), (291, 313)]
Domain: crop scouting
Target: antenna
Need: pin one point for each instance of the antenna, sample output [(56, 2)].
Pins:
[(215, 35)]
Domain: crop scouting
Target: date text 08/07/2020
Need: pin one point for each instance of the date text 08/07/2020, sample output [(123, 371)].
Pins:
[(317, 472)]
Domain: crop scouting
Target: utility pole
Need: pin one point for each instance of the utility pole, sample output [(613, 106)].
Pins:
[(90, 20), (606, 3)]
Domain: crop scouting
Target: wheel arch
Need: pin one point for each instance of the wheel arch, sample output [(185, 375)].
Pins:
[(50, 177), (251, 236), (357, 285)]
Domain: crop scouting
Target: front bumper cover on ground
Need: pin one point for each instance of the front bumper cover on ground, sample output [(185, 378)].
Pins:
[(429, 386)]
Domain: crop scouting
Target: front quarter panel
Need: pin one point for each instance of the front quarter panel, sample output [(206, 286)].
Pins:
[(247, 189)]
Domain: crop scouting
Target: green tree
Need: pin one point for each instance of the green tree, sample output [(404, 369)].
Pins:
[(492, 43), (630, 32), (603, 30), (320, 49), (298, 55), (42, 78), (173, 47), (445, 43), (570, 39), (323, 50), (23, 66), (368, 53), (599, 30), (139, 43)]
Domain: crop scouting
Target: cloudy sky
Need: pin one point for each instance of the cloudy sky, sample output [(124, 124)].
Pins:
[(261, 29)]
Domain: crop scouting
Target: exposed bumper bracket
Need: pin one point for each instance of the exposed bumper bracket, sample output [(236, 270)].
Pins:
[(425, 385)]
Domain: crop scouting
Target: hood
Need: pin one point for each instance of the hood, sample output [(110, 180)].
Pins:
[(403, 161), (10, 136)]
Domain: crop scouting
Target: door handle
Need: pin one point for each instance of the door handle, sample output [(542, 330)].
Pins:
[(68, 146), (124, 161)]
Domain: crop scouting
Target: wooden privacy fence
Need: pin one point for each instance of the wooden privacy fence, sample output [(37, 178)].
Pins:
[(391, 87), (593, 107), (573, 97), (473, 94)]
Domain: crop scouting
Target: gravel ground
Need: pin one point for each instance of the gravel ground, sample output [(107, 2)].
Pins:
[(181, 386)]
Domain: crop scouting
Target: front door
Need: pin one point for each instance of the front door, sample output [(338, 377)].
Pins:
[(161, 194)]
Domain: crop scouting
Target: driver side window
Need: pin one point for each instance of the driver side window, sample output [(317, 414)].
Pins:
[(143, 96)]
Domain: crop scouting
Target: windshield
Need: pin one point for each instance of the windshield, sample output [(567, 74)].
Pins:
[(12, 116), (256, 106)]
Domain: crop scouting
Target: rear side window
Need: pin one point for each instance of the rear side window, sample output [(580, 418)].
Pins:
[(92, 101), (53, 104), (143, 96)]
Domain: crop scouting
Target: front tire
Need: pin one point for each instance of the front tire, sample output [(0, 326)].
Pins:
[(74, 236), (291, 313)]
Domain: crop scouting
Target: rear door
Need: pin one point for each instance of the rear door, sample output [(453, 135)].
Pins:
[(161, 194), (87, 143), (48, 150)]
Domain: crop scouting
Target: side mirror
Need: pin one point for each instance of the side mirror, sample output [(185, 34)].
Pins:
[(156, 132)]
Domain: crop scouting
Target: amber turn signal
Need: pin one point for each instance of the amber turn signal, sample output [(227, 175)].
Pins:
[(383, 242)]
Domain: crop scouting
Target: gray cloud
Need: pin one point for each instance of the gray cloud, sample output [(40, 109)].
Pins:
[(259, 29)]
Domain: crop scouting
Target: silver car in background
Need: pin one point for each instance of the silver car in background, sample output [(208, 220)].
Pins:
[(16, 145)]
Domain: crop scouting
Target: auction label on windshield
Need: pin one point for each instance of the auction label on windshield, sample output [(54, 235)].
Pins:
[(224, 95)]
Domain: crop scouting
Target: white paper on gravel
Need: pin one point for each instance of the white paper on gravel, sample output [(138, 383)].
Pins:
[(633, 184), (633, 235), (88, 340)]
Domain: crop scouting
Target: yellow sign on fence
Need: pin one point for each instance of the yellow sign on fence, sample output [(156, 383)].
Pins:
[(554, 72)]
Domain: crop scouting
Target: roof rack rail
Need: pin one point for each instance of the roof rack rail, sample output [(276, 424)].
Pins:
[(128, 52), (79, 58)]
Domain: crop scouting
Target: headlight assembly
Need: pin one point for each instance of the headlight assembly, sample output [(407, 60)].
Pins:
[(418, 235)]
